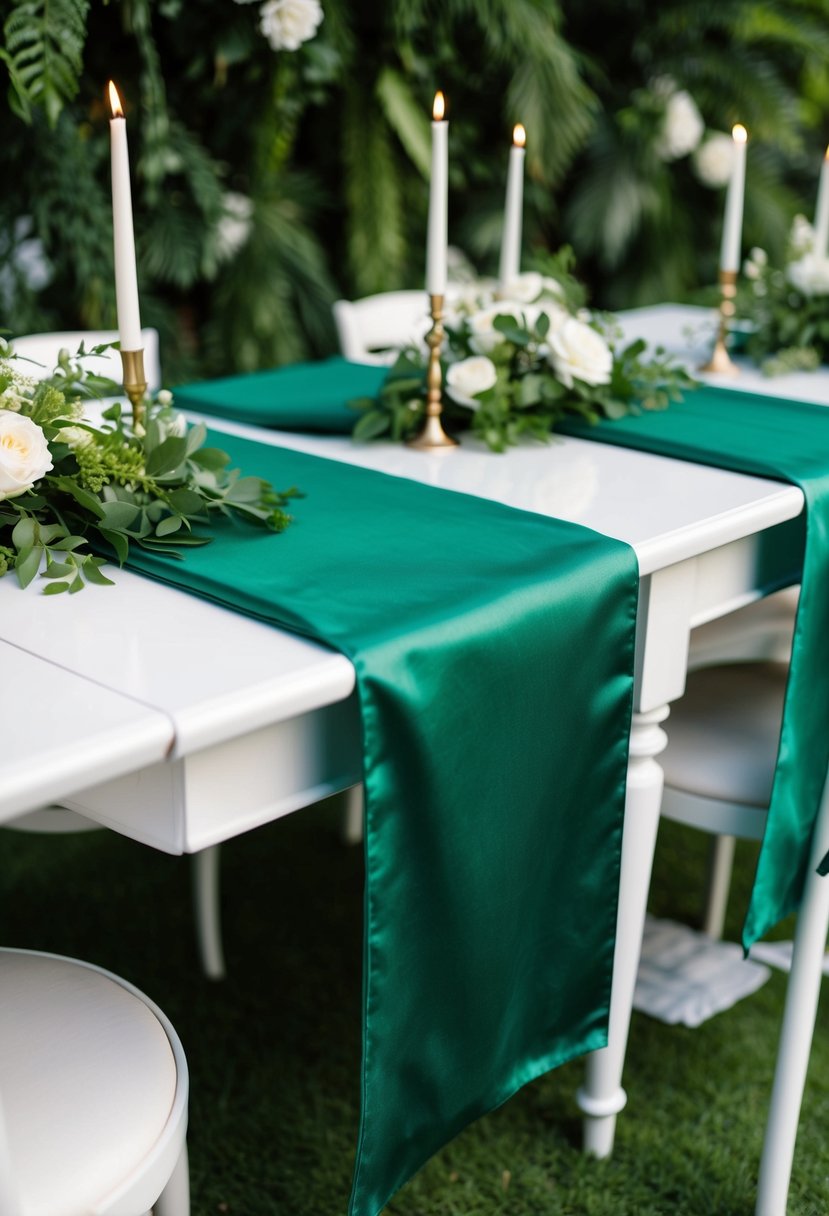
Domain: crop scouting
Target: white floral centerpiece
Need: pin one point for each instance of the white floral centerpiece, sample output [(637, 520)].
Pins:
[(73, 489), (787, 307), (519, 363)]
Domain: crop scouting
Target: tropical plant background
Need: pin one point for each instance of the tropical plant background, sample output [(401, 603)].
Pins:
[(269, 182)]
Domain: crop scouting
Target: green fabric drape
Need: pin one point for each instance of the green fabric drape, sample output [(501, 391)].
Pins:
[(301, 397), (494, 656), (789, 441)]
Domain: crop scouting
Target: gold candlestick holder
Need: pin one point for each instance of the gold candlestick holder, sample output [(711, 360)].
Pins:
[(135, 383), (720, 361), (432, 435)]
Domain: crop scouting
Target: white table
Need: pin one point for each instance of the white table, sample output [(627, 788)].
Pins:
[(689, 332), (252, 723)]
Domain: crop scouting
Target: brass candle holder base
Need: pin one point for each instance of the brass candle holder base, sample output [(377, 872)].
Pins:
[(720, 361), (432, 435), (135, 383)]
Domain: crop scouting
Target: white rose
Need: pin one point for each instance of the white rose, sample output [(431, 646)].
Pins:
[(524, 287), (714, 159), (577, 352), (75, 436), (810, 275), (288, 23), (483, 335), (802, 235), (682, 129), (555, 313), (24, 454), (464, 380)]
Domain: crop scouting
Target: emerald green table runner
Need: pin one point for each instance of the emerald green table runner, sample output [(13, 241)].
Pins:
[(788, 441), (301, 397), (493, 651)]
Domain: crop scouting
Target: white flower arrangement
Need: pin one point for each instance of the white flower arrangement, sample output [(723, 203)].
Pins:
[(74, 491), (518, 366), (787, 306)]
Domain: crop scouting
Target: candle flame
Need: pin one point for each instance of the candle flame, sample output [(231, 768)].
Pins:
[(738, 133), (439, 107), (115, 102), (826, 154), (519, 135)]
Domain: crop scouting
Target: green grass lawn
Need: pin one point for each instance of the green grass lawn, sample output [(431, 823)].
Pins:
[(274, 1050)]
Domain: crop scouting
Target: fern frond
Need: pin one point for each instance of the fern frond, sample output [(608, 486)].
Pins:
[(44, 43)]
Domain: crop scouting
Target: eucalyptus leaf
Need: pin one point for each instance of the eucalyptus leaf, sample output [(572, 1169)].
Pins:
[(28, 564), (167, 457)]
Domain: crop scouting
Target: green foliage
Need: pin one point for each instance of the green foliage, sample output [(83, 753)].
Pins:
[(111, 484), (532, 365), (44, 41), (328, 149)]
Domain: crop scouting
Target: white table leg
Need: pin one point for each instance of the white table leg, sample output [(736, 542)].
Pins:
[(602, 1097), (796, 1032)]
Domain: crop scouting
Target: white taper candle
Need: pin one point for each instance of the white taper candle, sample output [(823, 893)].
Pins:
[(510, 265), (436, 239), (733, 221), (126, 276)]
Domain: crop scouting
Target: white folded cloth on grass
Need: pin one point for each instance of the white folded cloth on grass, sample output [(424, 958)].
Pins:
[(685, 977)]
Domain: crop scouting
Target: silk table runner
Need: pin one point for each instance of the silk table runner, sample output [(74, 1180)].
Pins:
[(493, 651), (789, 441)]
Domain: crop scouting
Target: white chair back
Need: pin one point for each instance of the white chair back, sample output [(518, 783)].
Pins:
[(43, 350), (373, 329)]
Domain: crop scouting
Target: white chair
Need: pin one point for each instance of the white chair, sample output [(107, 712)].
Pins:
[(43, 350), (93, 1094), (373, 329), (760, 631), (719, 765)]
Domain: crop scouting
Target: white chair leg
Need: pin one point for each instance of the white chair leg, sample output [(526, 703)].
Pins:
[(720, 864), (352, 825), (601, 1098), (796, 1031), (174, 1200), (207, 910)]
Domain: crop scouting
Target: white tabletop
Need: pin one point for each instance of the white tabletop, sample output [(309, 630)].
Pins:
[(59, 728), (688, 332), (216, 675)]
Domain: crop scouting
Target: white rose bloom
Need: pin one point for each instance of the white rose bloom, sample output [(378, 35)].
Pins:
[(464, 380), (524, 287), (802, 235), (810, 275), (233, 229), (288, 23), (555, 313), (578, 352), (682, 129), (24, 454), (483, 336), (75, 436), (713, 160), (551, 287)]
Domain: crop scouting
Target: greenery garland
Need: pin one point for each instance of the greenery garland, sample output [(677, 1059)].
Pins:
[(71, 487), (517, 367)]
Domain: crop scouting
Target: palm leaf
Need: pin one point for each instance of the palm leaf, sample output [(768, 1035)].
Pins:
[(375, 224), (44, 42), (406, 117)]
